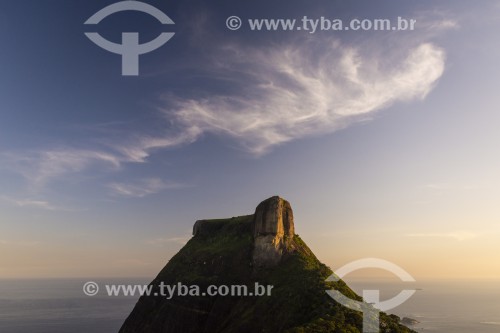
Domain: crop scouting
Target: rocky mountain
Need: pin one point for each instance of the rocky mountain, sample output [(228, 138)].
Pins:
[(247, 250)]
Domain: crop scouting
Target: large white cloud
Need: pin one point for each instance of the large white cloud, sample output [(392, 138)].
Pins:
[(275, 95), (292, 92)]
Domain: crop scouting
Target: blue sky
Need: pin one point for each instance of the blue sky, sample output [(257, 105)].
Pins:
[(385, 143)]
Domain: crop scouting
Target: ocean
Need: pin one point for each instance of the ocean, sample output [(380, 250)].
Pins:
[(465, 306), (59, 305)]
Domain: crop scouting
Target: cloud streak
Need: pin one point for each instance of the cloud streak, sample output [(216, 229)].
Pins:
[(41, 167), (160, 242), (288, 93), (35, 204), (143, 187), (277, 95), (30, 203)]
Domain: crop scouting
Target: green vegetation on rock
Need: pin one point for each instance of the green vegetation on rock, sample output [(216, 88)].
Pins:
[(221, 254)]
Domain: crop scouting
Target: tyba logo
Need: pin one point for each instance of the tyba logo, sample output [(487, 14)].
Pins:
[(372, 305), (130, 49)]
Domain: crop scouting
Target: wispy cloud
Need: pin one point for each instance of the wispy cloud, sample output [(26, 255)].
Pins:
[(141, 147), (30, 203), (456, 235), (277, 94), (295, 91), (437, 25), (162, 241), (35, 204), (445, 24), (436, 22), (142, 188), (43, 166)]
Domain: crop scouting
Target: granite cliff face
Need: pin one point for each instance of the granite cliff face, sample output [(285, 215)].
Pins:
[(273, 231), (259, 248)]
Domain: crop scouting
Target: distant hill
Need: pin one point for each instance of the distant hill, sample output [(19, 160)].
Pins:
[(244, 250)]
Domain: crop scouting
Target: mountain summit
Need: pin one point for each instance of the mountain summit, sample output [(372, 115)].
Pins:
[(262, 250)]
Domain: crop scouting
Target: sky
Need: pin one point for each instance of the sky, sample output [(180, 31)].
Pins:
[(384, 142)]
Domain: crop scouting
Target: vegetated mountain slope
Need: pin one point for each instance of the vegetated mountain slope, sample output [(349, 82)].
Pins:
[(222, 254)]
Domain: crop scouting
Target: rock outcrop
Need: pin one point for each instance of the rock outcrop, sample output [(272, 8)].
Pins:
[(274, 216), (199, 227), (273, 231), (224, 253)]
